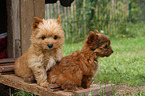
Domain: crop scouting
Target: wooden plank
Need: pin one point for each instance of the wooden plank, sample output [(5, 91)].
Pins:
[(16, 82), (9, 29), (9, 60), (13, 29), (7, 73), (18, 51), (16, 28), (20, 17), (29, 9), (27, 14), (6, 64), (39, 8), (6, 68)]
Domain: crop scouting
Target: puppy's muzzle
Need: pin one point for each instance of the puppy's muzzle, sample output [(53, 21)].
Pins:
[(50, 45)]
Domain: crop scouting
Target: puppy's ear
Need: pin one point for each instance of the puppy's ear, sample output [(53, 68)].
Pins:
[(96, 31), (36, 22), (58, 20), (92, 36)]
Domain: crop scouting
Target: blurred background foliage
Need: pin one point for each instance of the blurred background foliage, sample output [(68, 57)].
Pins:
[(116, 18)]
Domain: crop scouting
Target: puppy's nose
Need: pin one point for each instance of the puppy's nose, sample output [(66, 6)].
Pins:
[(50, 45), (112, 51)]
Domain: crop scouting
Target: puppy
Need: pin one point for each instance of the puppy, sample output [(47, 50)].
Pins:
[(75, 71), (45, 50)]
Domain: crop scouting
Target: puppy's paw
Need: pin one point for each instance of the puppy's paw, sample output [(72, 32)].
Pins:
[(30, 79), (44, 84)]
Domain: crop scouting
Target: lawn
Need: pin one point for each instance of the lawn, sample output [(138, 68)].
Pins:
[(126, 66)]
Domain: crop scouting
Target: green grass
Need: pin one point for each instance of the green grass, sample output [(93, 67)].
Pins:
[(69, 48), (23, 93), (125, 66)]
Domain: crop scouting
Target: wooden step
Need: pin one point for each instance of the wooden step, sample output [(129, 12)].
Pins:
[(7, 77), (7, 66), (18, 83), (9, 60)]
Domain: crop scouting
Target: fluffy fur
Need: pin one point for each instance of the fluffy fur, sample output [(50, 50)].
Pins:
[(76, 70), (45, 50)]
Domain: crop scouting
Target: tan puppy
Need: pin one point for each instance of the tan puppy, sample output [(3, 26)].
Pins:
[(46, 49)]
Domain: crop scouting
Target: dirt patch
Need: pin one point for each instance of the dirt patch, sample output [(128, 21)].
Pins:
[(126, 90)]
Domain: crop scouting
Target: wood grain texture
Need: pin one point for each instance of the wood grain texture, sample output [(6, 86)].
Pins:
[(27, 13), (9, 30), (10, 60), (29, 9), (6, 68), (13, 29), (20, 18), (16, 28), (17, 82), (39, 8)]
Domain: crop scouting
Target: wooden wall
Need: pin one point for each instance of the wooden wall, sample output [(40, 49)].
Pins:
[(20, 18)]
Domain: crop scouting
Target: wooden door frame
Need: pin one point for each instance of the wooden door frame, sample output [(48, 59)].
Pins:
[(20, 15)]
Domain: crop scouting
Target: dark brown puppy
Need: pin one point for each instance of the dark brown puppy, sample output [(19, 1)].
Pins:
[(76, 70)]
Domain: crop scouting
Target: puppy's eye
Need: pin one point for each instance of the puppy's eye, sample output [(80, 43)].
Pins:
[(55, 37), (106, 46), (43, 37)]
